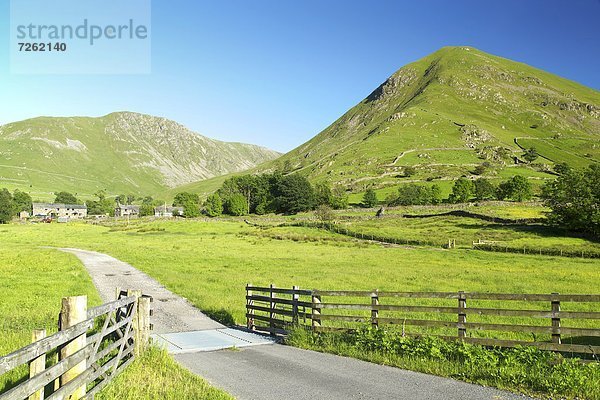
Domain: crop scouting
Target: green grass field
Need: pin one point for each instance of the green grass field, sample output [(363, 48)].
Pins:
[(210, 261)]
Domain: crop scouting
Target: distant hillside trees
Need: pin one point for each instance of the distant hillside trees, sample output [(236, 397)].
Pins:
[(462, 191), (22, 201), (574, 198), (413, 194), (369, 199), (484, 189), (65, 198), (190, 203), (213, 206), (516, 188), (236, 205), (275, 192), (102, 206), (293, 194), (7, 206)]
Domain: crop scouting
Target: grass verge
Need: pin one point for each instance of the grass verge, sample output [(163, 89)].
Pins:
[(523, 370)]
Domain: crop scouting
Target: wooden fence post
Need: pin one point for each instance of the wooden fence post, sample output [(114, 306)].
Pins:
[(37, 365), (295, 298), (143, 315), (73, 311), (249, 312), (137, 340), (462, 314), (272, 310), (374, 309), (555, 320), (316, 312)]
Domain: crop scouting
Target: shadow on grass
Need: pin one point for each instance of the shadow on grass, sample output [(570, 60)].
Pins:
[(221, 315)]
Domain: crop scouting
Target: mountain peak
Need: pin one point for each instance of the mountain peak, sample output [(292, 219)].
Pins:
[(450, 111)]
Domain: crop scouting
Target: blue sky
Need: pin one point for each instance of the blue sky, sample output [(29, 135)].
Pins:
[(277, 72)]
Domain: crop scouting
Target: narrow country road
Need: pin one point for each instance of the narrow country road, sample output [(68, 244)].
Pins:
[(259, 369)]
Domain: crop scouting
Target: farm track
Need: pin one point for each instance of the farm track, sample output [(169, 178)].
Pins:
[(274, 371)]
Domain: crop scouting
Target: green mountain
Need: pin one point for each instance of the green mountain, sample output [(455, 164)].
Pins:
[(120, 152), (448, 113)]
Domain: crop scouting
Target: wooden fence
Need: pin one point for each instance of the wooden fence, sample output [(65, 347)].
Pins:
[(275, 310), (90, 349)]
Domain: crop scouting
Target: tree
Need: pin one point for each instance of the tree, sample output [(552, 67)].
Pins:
[(574, 198), (530, 155), (102, 206), (484, 189), (516, 188), (22, 201), (562, 168), (462, 191), (146, 210), (236, 205), (294, 194), (369, 199), (7, 206), (65, 198), (182, 198), (213, 205), (412, 194), (339, 200), (121, 199), (323, 194), (191, 209)]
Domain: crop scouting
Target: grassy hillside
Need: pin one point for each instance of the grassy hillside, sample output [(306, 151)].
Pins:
[(449, 112), (120, 152)]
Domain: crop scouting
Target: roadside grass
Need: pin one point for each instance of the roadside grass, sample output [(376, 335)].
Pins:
[(157, 376), (521, 370), (32, 283)]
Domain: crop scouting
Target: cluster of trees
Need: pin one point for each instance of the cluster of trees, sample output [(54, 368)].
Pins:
[(516, 188), (574, 198), (11, 204), (262, 194)]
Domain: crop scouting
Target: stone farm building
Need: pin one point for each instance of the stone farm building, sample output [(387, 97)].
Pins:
[(127, 211), (164, 211), (71, 211)]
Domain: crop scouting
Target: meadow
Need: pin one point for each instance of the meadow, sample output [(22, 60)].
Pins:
[(209, 261)]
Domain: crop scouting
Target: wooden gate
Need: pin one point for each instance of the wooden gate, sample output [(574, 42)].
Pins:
[(91, 348)]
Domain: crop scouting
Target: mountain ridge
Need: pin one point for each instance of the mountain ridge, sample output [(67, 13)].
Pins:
[(119, 152)]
